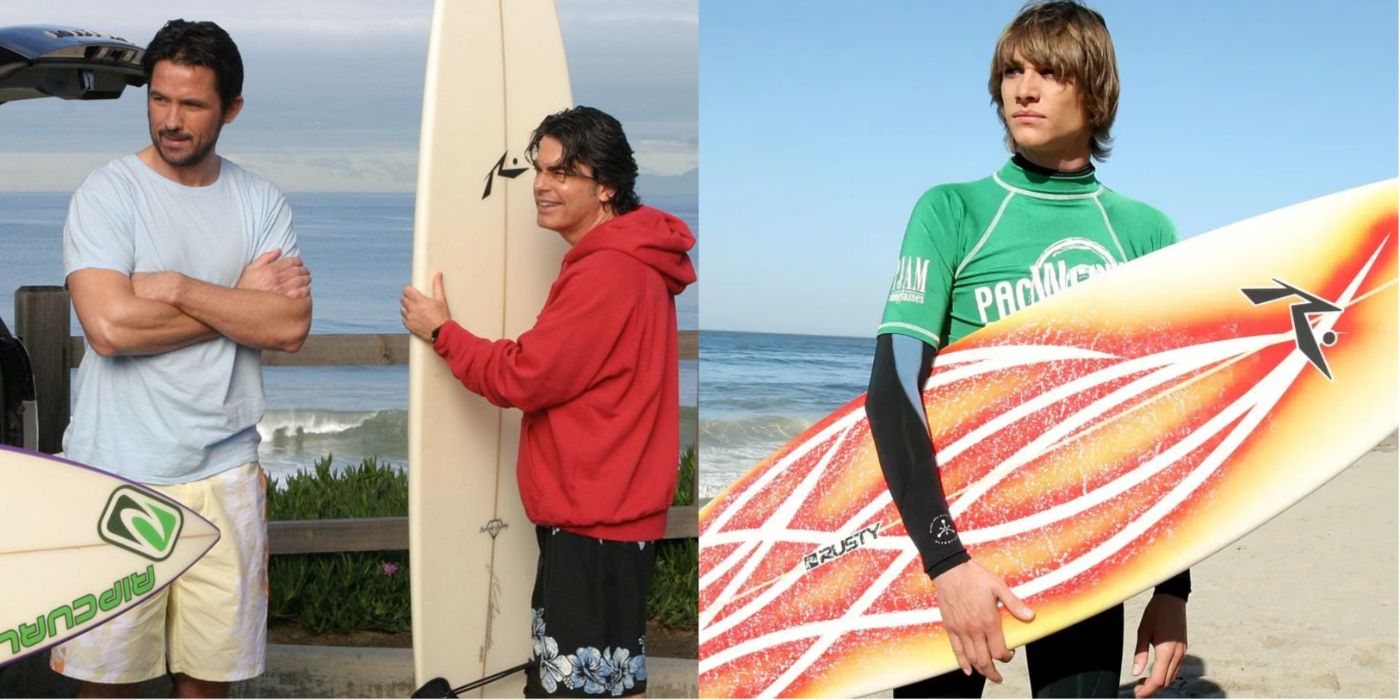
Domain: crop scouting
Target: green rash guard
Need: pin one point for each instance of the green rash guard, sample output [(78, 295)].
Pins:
[(974, 253)]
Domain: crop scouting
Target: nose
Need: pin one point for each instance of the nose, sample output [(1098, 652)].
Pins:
[(541, 182), (171, 118), (1027, 87)]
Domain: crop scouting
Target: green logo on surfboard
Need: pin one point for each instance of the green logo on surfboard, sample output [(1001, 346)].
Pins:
[(141, 522), (46, 629)]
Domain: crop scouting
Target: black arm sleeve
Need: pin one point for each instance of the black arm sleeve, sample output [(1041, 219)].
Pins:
[(902, 441), (1178, 585)]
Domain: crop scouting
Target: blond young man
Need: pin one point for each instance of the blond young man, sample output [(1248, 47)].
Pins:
[(1055, 84)]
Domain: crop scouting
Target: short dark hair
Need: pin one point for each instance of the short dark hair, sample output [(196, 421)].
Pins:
[(199, 44), (592, 137)]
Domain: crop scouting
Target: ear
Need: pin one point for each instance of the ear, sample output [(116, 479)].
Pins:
[(606, 194), (232, 112)]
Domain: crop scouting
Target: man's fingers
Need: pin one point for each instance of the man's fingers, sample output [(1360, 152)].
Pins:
[(1178, 655), (1158, 679), (990, 672), (1140, 650), (300, 276), (996, 644), (267, 257), (1018, 607), (1152, 683), (294, 284), (958, 654), (982, 659), (1139, 661), (285, 266), (438, 292)]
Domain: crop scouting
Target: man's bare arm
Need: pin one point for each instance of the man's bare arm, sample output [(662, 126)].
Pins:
[(121, 315), (260, 319), (117, 322)]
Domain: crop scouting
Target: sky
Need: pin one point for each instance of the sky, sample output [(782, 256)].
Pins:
[(334, 88), (821, 127)]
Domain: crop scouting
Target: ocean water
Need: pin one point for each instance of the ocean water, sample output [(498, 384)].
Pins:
[(359, 248), (761, 390)]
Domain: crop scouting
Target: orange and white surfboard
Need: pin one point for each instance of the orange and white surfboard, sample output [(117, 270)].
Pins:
[(1091, 446)]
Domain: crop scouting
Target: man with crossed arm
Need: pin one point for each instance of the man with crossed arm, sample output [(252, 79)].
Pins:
[(183, 266)]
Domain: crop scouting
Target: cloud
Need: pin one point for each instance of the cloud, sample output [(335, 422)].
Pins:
[(389, 170), (50, 172), (338, 85), (293, 170), (617, 15), (656, 157)]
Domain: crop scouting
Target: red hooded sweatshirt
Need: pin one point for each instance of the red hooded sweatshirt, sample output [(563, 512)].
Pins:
[(598, 380)]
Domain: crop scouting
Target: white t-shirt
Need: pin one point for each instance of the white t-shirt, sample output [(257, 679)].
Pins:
[(182, 415)]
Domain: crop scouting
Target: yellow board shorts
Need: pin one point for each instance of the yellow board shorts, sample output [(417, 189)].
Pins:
[(211, 622)]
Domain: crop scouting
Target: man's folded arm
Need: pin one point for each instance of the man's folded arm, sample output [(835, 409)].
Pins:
[(117, 322), (258, 319)]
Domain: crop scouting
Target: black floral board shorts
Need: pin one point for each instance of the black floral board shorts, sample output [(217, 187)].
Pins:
[(590, 616)]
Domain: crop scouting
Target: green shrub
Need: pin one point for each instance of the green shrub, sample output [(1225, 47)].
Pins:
[(366, 490), (349, 590), (675, 593), (685, 481), (675, 590), (330, 593)]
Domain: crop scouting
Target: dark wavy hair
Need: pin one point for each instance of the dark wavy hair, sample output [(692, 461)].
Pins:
[(199, 44), (593, 138)]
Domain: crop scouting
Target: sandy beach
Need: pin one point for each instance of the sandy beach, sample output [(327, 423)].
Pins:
[(1305, 606)]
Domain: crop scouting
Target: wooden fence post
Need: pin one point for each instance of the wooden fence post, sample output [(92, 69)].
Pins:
[(41, 323)]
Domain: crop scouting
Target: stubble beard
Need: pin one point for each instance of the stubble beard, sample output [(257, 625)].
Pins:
[(194, 158)]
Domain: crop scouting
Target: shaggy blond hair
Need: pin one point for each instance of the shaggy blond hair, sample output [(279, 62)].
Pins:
[(1073, 41)]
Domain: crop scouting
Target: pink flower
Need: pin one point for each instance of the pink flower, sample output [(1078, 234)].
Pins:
[(389, 568)]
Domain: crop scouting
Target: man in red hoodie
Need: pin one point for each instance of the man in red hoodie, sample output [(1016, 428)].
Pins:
[(597, 380)]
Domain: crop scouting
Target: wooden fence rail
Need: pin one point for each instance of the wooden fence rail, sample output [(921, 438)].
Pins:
[(356, 349), (42, 321), (376, 534)]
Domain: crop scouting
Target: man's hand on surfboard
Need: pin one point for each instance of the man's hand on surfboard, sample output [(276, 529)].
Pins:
[(423, 314), (1163, 628), (967, 597)]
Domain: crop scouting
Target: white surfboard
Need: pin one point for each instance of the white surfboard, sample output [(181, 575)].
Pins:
[(495, 69), (79, 547)]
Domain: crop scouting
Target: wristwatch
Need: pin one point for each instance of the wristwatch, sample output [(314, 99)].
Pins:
[(435, 333)]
